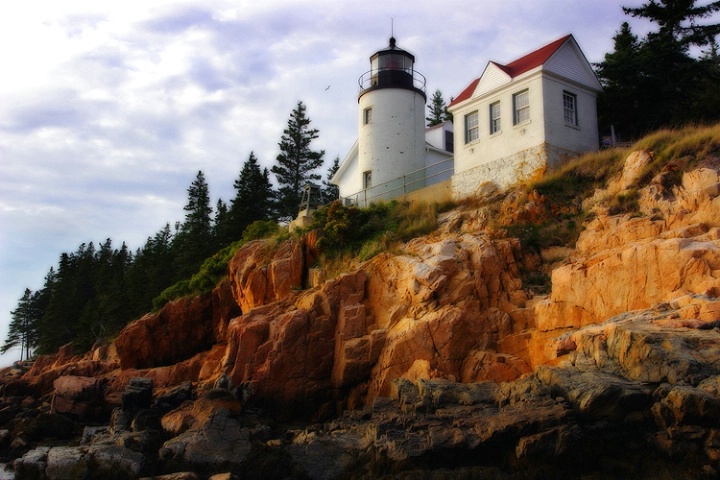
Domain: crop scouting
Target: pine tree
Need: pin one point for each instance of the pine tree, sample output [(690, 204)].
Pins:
[(193, 242), (296, 162), (331, 192), (438, 110), (153, 270), (622, 75), (23, 328), (253, 199), (653, 83), (677, 20), (221, 225)]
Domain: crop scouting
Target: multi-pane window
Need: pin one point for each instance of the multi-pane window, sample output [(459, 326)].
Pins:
[(570, 108), (494, 117), (472, 130), (521, 106), (367, 116)]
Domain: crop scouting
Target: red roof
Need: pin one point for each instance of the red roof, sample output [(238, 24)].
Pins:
[(517, 67)]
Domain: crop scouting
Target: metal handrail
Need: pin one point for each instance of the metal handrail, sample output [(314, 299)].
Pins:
[(409, 182), (366, 79)]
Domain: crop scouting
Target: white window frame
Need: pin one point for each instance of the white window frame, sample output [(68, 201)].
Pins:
[(521, 107), (495, 118), (472, 127), (570, 113)]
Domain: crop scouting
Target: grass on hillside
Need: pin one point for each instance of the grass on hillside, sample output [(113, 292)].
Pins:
[(565, 188)]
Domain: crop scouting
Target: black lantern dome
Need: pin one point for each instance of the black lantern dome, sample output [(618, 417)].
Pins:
[(392, 67)]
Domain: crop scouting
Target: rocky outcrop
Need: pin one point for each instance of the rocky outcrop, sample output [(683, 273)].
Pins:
[(434, 358), (180, 330), (669, 250)]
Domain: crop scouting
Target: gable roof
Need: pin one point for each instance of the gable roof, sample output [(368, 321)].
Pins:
[(517, 67)]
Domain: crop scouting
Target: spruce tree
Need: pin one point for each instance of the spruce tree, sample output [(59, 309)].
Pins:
[(253, 199), (23, 328), (622, 74), (221, 225), (296, 162), (331, 192), (678, 20), (655, 82), (193, 242), (438, 110)]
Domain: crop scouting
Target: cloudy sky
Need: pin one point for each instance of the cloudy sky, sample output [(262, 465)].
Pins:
[(108, 109)]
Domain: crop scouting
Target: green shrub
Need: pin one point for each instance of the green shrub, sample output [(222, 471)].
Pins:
[(261, 229), (371, 230)]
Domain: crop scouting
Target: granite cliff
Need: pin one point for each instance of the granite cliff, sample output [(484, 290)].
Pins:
[(437, 360)]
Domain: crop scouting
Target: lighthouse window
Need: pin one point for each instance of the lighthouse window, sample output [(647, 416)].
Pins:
[(495, 117), (367, 179), (367, 116), (472, 129)]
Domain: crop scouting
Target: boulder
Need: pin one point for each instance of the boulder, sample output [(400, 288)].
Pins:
[(80, 397), (219, 444)]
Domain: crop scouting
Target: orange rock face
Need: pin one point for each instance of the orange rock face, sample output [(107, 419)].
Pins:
[(179, 331), (625, 263)]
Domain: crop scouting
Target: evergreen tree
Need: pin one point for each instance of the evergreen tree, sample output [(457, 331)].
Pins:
[(706, 100), (438, 110), (622, 75), (193, 242), (654, 82), (221, 225), (677, 20), (253, 199), (153, 270), (331, 192), (73, 288), (296, 162), (23, 328)]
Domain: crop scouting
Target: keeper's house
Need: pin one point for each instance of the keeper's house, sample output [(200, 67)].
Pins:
[(510, 124)]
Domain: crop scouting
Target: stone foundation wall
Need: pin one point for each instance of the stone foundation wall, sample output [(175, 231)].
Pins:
[(523, 166)]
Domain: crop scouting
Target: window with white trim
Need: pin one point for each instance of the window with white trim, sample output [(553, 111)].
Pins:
[(472, 129), (570, 108), (367, 115), (521, 107), (494, 117)]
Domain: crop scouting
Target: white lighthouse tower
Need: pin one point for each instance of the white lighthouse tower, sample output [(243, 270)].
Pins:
[(391, 123)]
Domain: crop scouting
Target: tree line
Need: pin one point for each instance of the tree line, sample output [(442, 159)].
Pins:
[(96, 290)]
